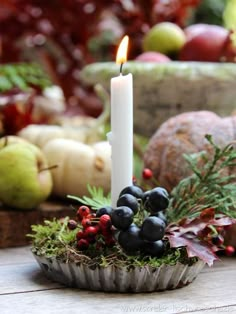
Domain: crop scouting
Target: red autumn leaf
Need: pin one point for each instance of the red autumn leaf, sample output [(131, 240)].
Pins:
[(191, 233), (194, 247)]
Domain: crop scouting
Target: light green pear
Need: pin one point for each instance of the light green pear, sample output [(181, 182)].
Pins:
[(164, 37), (229, 14), (25, 181)]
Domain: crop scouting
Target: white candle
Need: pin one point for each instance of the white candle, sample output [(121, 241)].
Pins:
[(121, 128)]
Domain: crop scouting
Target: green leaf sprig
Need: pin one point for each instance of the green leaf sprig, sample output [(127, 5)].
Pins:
[(96, 200), (208, 186), (23, 76)]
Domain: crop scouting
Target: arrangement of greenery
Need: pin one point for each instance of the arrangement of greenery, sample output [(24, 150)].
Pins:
[(22, 76), (199, 209)]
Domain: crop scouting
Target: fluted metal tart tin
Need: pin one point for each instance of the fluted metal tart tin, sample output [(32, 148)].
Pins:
[(119, 279)]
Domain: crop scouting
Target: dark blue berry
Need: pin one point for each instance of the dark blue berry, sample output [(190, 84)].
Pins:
[(130, 239), (154, 249), (122, 217), (129, 201), (160, 215), (133, 190), (106, 210), (152, 229), (157, 200)]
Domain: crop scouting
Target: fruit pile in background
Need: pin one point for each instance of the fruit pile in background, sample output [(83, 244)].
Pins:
[(197, 42), (49, 33)]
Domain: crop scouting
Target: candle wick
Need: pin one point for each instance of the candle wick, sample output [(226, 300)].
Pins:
[(121, 66)]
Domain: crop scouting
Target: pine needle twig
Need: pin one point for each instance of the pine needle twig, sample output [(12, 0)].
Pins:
[(207, 187)]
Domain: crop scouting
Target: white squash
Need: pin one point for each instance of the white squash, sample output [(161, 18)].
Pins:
[(78, 165), (39, 135), (84, 129)]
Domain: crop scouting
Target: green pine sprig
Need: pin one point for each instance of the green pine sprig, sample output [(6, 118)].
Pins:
[(96, 200), (208, 186), (22, 76)]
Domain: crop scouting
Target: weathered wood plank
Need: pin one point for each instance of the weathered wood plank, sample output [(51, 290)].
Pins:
[(23, 278), (227, 309), (210, 291), (16, 256), (224, 264), (25, 289), (15, 224)]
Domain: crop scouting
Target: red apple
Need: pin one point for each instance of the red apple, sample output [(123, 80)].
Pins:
[(205, 45), (194, 29), (152, 56)]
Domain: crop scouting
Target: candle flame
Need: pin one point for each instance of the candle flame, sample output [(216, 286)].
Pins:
[(121, 56)]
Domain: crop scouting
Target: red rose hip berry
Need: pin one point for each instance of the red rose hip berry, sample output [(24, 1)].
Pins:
[(105, 221), (147, 173), (229, 250), (86, 223), (91, 231), (82, 212), (82, 244), (80, 235)]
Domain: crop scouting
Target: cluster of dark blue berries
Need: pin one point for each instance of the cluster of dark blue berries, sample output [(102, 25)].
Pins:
[(147, 236), (138, 222)]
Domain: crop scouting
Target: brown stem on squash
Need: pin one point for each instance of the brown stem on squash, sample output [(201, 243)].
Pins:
[(48, 168)]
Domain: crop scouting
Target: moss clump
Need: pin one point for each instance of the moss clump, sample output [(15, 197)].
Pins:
[(55, 239)]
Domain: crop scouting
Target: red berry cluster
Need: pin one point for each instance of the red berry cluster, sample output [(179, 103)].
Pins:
[(93, 230)]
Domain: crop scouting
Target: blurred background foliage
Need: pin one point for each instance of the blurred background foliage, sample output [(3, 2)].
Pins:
[(65, 35)]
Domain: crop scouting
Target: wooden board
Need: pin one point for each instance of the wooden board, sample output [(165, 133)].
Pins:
[(15, 224), (24, 289)]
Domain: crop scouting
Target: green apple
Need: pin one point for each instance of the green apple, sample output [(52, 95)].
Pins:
[(166, 37), (11, 139), (25, 180)]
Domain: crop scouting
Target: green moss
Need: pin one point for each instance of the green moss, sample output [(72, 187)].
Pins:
[(54, 239)]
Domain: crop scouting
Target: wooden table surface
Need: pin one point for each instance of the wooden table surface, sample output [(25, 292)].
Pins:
[(25, 290)]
